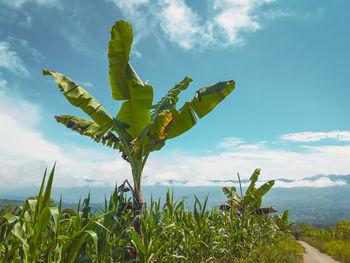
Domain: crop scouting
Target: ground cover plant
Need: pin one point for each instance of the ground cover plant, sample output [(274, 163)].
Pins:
[(335, 241), (40, 231), (140, 127)]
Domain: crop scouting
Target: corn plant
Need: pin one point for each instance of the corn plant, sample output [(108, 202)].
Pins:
[(40, 231), (140, 127)]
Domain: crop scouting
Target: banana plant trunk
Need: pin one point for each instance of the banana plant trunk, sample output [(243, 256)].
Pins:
[(137, 164), (137, 198)]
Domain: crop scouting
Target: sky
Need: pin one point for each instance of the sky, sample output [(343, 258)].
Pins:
[(289, 113)]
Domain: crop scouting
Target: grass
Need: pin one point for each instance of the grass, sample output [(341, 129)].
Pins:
[(40, 231), (335, 241)]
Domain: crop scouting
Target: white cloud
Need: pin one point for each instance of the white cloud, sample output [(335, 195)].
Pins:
[(141, 14), (235, 16), (130, 6), (27, 22), (75, 32), (321, 182), (179, 23), (275, 163), (3, 83), (19, 3), (229, 143), (11, 61), (234, 143), (33, 51), (185, 27), (251, 146), (75, 38), (24, 151), (317, 136), (87, 84)]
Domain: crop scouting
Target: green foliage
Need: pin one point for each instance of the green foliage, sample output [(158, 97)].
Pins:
[(250, 202), (140, 127), (39, 231), (281, 249), (334, 241), (339, 249), (282, 222)]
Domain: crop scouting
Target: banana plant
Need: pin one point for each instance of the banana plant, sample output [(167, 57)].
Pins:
[(282, 222), (140, 127), (251, 201)]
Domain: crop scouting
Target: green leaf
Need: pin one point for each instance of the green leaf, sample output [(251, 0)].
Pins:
[(167, 122), (207, 98), (170, 99), (124, 82), (47, 193), (136, 239), (228, 191), (16, 229), (79, 97), (231, 194), (39, 227), (153, 137), (203, 102), (94, 237), (40, 196), (254, 178), (262, 190), (118, 54), (285, 215), (90, 129)]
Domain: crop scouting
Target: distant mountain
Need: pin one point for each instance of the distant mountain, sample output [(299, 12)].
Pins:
[(243, 181), (318, 205), (285, 180), (332, 177)]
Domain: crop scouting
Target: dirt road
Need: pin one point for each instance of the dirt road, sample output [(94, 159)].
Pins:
[(313, 255)]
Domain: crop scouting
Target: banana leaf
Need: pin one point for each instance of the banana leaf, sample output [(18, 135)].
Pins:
[(90, 129), (153, 137), (203, 102), (254, 178), (124, 82), (165, 116), (79, 97)]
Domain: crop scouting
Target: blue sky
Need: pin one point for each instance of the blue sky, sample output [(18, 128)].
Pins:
[(289, 114)]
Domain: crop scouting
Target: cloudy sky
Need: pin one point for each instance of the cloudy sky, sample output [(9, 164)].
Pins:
[(289, 113)]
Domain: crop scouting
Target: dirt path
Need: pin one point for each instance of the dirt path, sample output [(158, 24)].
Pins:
[(313, 255)]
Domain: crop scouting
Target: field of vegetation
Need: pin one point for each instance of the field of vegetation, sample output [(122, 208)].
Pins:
[(128, 230), (335, 241), (40, 231)]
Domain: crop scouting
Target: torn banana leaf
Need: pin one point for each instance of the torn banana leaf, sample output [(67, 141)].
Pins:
[(203, 102), (79, 97), (90, 129)]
